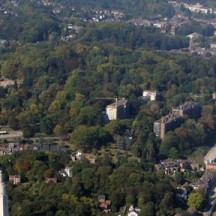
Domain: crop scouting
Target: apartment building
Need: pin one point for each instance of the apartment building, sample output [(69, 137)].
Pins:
[(117, 110), (190, 109), (176, 117), (167, 123)]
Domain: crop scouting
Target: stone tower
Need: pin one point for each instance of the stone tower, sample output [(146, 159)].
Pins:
[(3, 198)]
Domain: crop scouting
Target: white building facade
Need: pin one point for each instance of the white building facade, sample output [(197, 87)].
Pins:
[(117, 110), (152, 95), (4, 211)]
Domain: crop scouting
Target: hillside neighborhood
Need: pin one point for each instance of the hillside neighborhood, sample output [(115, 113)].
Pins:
[(107, 108)]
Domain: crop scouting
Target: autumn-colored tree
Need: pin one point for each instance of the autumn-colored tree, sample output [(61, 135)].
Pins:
[(22, 165)]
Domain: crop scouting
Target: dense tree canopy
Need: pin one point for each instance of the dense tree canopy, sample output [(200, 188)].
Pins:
[(61, 87)]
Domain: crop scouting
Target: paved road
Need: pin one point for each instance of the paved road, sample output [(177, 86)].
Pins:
[(212, 203), (12, 134)]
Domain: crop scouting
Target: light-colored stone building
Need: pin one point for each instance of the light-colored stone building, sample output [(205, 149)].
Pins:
[(152, 95), (117, 110), (3, 198)]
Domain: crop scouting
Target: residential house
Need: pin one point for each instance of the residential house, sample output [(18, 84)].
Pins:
[(3, 43), (194, 36), (51, 180), (184, 165), (196, 166), (152, 95), (207, 181), (214, 96), (6, 82), (103, 203), (170, 167), (66, 172), (23, 146), (4, 149), (63, 173), (133, 211), (160, 24), (15, 179), (140, 22), (74, 27), (173, 30), (77, 156), (91, 158), (46, 2)]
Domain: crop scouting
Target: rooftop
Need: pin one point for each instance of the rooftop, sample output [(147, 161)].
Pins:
[(187, 105), (194, 35), (169, 118), (150, 92), (118, 103)]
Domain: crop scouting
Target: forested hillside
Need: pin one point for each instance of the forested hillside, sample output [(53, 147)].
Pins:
[(60, 89), (135, 8)]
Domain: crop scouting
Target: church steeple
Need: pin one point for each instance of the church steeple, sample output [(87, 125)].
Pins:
[(3, 198)]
